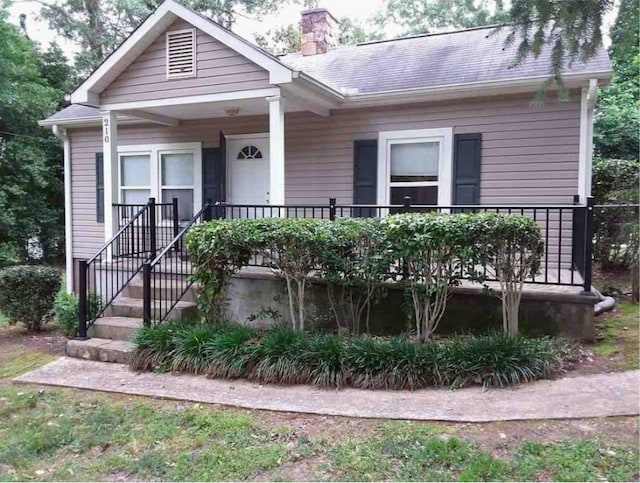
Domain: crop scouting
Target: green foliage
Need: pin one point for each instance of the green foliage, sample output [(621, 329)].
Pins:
[(218, 250), (433, 249), (617, 116), (431, 252), (424, 16), (30, 157), (27, 294), (572, 29), (511, 247), (66, 311), (292, 248), (354, 264), (616, 229), (282, 355)]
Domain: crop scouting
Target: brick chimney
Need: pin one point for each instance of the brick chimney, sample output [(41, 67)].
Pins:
[(319, 31)]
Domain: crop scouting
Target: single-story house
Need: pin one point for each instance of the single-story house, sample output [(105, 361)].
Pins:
[(187, 109)]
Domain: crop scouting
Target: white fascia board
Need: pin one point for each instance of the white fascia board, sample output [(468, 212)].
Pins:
[(200, 99), (143, 36)]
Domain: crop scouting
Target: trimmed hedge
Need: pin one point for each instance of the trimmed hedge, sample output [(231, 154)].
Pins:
[(27, 294), (284, 356), (427, 252), (66, 311)]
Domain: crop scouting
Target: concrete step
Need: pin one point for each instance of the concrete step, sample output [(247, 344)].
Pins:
[(168, 290), (115, 328), (104, 350), (132, 307)]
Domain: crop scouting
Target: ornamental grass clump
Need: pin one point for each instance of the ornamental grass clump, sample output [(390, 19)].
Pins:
[(282, 355)]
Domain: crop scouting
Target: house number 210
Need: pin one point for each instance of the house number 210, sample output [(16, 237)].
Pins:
[(105, 129)]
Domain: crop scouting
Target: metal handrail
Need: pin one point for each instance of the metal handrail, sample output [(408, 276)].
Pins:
[(178, 274)]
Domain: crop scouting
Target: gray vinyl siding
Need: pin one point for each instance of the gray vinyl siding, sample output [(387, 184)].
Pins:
[(529, 155), (219, 69)]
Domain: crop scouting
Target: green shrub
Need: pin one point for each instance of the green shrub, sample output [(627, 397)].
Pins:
[(285, 356), (219, 249), (27, 294), (431, 253), (66, 311), (355, 264)]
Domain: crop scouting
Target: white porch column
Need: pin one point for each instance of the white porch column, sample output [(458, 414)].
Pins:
[(276, 150), (110, 170)]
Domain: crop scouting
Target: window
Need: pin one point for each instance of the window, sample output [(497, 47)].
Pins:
[(177, 181), (250, 152), (164, 172), (181, 53), (135, 178), (415, 164)]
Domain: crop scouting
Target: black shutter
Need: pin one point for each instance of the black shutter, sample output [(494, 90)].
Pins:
[(467, 155), (365, 175), (99, 188)]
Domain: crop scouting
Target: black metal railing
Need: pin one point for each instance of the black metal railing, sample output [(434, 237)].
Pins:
[(567, 230), (105, 275), (167, 277)]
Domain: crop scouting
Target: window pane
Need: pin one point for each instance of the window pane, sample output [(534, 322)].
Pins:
[(135, 170), (185, 202), (135, 197), (177, 169), (415, 161), (420, 195)]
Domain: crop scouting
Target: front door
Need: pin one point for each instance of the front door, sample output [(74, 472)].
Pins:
[(248, 169)]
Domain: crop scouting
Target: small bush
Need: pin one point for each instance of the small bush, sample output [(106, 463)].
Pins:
[(284, 356), (66, 311), (27, 294)]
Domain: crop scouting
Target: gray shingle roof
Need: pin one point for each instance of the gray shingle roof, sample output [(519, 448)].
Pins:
[(74, 111), (461, 57)]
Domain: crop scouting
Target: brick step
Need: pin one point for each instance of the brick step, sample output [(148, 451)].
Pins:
[(168, 289), (115, 328), (104, 350), (132, 307)]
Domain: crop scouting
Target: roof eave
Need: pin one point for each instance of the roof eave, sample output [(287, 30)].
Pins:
[(467, 90)]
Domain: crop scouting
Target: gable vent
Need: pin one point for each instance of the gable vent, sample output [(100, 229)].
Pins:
[(181, 53)]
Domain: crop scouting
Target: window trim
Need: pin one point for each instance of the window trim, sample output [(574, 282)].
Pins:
[(445, 168), (155, 150)]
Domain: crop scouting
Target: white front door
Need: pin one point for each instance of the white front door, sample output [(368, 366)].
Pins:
[(248, 169)]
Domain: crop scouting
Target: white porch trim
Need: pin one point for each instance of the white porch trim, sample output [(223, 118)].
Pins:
[(445, 168), (585, 154), (276, 150), (201, 99), (61, 134), (110, 169)]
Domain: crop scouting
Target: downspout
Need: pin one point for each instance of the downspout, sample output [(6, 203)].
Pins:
[(604, 303), (61, 133)]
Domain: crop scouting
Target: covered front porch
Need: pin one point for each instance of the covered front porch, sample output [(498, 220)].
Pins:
[(237, 164)]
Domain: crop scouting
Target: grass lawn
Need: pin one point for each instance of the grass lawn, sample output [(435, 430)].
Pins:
[(620, 330), (62, 434)]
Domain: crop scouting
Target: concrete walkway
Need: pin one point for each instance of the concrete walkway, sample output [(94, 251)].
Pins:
[(615, 394)]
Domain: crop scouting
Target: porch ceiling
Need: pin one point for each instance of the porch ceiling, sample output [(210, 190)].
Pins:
[(205, 110)]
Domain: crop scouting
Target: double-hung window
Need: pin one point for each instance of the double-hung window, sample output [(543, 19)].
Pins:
[(177, 181), (417, 164), (164, 172), (135, 178)]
